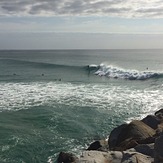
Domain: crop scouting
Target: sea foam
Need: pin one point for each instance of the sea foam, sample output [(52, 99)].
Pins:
[(101, 97), (116, 72)]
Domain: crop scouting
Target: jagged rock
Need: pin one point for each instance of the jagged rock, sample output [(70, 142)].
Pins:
[(113, 157), (126, 144), (94, 157), (159, 114), (100, 145), (151, 121), (131, 135), (66, 158), (158, 149), (159, 129), (113, 137), (146, 149), (136, 158), (133, 142), (137, 130), (94, 146)]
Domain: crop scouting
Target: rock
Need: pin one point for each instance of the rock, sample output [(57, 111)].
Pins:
[(66, 158), (126, 144), (158, 150), (159, 130), (151, 121), (101, 145), (113, 137), (146, 149), (94, 146), (136, 142), (132, 134), (159, 114), (94, 157), (113, 157), (136, 158), (137, 130)]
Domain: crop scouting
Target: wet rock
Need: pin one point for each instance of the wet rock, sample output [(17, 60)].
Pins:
[(100, 145), (158, 150), (131, 135), (146, 149), (151, 121), (126, 144), (136, 130), (159, 114), (113, 138), (136, 142), (94, 146), (66, 158)]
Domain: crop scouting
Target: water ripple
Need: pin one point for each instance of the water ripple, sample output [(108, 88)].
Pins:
[(104, 97)]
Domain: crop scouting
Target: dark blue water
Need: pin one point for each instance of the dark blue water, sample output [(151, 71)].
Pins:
[(61, 100)]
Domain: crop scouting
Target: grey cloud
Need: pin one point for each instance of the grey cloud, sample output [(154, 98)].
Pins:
[(121, 8), (150, 10)]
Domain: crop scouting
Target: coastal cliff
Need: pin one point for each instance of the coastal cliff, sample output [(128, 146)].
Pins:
[(140, 141)]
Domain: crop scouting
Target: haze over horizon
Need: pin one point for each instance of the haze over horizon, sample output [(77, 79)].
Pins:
[(81, 24)]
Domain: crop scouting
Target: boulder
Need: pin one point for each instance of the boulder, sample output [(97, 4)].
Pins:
[(136, 130), (113, 137), (66, 158), (158, 150), (95, 157), (159, 130), (100, 145), (159, 114), (136, 158), (146, 149), (126, 144), (113, 157), (151, 121), (132, 134)]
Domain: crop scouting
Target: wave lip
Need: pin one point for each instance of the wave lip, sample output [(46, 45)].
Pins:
[(115, 72)]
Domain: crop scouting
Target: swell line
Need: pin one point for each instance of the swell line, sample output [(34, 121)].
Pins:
[(37, 64)]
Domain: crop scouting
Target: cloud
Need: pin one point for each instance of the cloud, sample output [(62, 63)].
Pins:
[(114, 8)]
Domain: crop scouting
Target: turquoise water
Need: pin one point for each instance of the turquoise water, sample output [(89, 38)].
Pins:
[(62, 100)]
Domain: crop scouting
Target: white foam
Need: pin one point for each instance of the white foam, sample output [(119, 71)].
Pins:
[(116, 72), (102, 97), (93, 66)]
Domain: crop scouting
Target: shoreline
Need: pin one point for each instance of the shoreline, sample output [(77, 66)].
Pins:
[(140, 141)]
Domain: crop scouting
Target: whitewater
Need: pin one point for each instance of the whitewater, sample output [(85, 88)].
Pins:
[(62, 100)]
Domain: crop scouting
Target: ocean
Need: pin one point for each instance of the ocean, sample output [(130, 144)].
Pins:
[(62, 100)]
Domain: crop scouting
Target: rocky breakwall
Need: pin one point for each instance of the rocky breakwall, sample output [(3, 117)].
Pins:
[(136, 142)]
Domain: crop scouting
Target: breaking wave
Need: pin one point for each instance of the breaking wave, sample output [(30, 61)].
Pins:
[(119, 73), (32, 68)]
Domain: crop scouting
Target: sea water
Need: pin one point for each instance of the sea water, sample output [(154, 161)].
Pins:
[(62, 100)]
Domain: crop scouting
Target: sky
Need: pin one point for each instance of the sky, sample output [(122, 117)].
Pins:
[(81, 24)]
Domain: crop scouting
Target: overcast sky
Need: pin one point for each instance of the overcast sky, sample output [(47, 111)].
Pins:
[(81, 24)]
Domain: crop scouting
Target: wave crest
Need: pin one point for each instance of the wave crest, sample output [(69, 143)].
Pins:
[(116, 72)]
